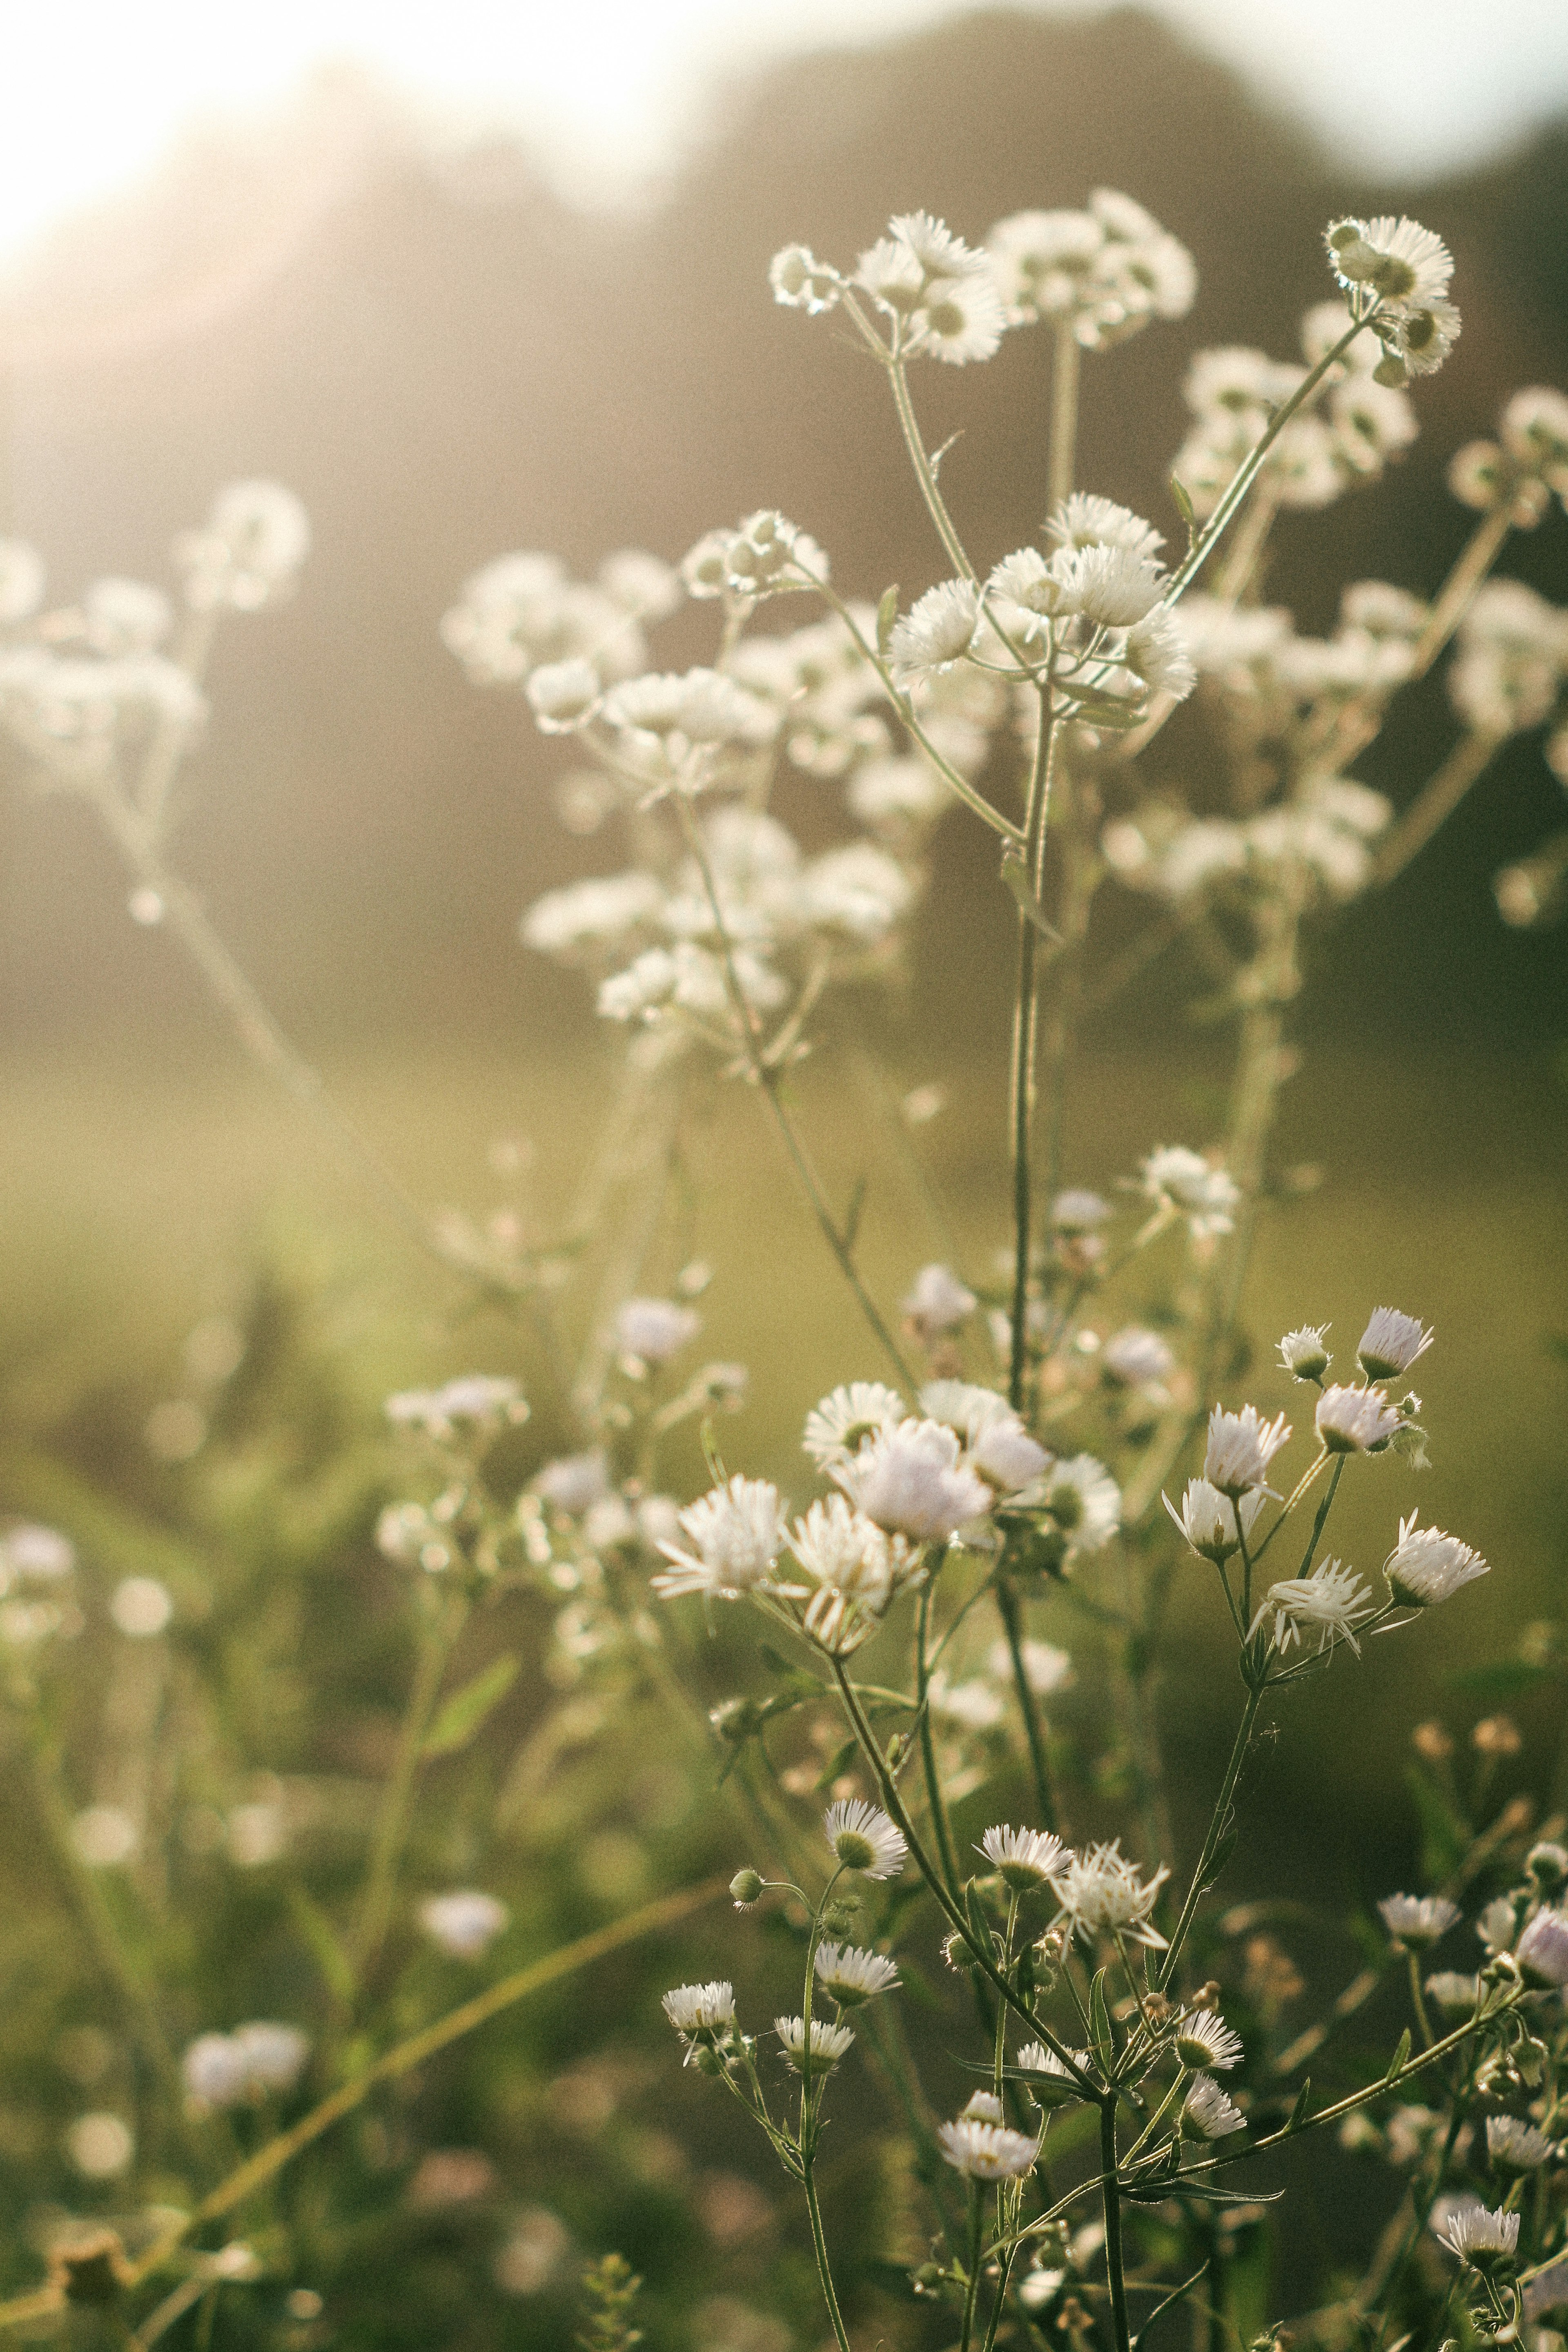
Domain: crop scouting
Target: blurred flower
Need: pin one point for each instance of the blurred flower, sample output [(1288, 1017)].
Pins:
[(655, 1329), (938, 1301), (104, 1836), (140, 1607), (101, 2146), (464, 1923), (1417, 1920), (737, 1532)]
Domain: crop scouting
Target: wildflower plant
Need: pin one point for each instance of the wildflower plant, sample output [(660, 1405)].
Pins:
[(992, 1458)]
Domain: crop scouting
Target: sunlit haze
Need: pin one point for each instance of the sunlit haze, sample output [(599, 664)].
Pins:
[(607, 91)]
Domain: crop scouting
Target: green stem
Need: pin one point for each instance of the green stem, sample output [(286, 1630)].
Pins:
[(1110, 2195), (935, 1800), (1433, 804), (1010, 1610), (925, 472), (824, 2269), (976, 2230), (392, 1820), (1025, 1026), (1216, 1831)]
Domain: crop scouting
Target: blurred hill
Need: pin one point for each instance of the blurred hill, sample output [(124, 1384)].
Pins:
[(447, 364)]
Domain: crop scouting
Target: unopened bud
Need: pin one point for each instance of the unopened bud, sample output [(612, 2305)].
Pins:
[(745, 1886), (1548, 1865)]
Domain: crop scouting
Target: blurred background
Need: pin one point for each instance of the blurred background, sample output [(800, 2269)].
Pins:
[(473, 280)]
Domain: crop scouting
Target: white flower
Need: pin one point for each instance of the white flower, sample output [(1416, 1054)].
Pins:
[(1083, 1499), (564, 696), (140, 1607), (1417, 1920), (642, 585), (864, 1839), (1078, 1212), (1332, 1599), (1207, 1518), (1204, 2039), (464, 1923), (737, 1531), (1044, 261), (1480, 2237), (124, 616), (34, 1555), (973, 1705), (1355, 1420), (213, 2071), (1452, 1990), (938, 631), (913, 1481), (839, 1426), (1085, 520), (987, 2151), (935, 249), (1406, 265), (1209, 2113), (959, 320), (1046, 1670), (1050, 2084), (248, 555), (1543, 1949), (701, 2008), (850, 1976), (1302, 1352), (482, 1400), (274, 2054), (999, 1445), (104, 1836), (1427, 1566), (1102, 1889), (655, 1329), (574, 1482), (221, 2070), (829, 2043), (100, 2146), (594, 915), (1423, 339), (1025, 1858), (1516, 2146), (801, 281), (1156, 652), (1114, 586), (1241, 1445), (1205, 1194), (1136, 1357), (1391, 1343), (938, 1301)]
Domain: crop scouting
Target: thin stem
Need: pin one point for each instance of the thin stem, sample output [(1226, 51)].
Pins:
[(824, 2268), (1066, 360), (1080, 874), (1215, 1832), (935, 1801), (1025, 1026), (1454, 596), (1433, 804), (1419, 2000), (1110, 2195), (1010, 1610), (925, 472), (976, 2230), (392, 1820)]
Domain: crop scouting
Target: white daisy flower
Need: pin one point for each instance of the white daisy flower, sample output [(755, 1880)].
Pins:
[(1082, 1499), (913, 1481), (960, 320), (1204, 2039), (972, 1705), (938, 631), (829, 2043), (1404, 265), (1417, 1920), (1025, 1858), (1483, 2238), (1241, 1445), (1136, 1357), (864, 1839), (983, 2107), (701, 2008), (1156, 653), (1205, 1195), (1355, 1420), (840, 1424), (655, 1329), (1303, 1354), (1334, 1599), (1101, 1889), (1427, 1566), (850, 1976), (1391, 1343), (1208, 1518), (1516, 2146), (736, 1534), (1050, 2084), (1209, 2113), (987, 2151)]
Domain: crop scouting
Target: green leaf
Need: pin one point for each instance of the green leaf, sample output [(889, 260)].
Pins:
[(887, 613), (1397, 2063), (467, 1708), (1102, 2038), (337, 1969), (1504, 1679), (1186, 510), (1298, 2112), (1015, 876), (1444, 1837), (852, 1213)]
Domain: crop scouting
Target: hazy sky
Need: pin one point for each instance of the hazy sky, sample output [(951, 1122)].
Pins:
[(608, 89)]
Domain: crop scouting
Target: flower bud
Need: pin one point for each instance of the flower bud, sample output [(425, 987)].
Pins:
[(745, 1886)]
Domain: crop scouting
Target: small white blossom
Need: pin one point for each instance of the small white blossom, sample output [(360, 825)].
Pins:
[(937, 632), (1083, 1500), (839, 1426), (274, 2054), (213, 2071), (1085, 520), (140, 1607), (1205, 1195), (1481, 2238), (1078, 1212), (1355, 1420), (1417, 1920), (464, 1923), (1209, 2113), (574, 1482), (912, 1479), (1543, 1949), (642, 585), (100, 2146), (1391, 1343), (482, 1400), (829, 2043), (987, 2151), (850, 1976), (972, 1705), (1303, 1354), (564, 696), (736, 1533), (864, 1839), (802, 282), (1453, 1991), (1333, 1600), (1050, 2083), (1046, 1670), (1241, 1445), (1516, 2146), (1406, 267), (1025, 1858), (938, 1301), (1101, 1889), (1208, 1518), (701, 2008), (655, 1329), (34, 1555), (1136, 1357), (1427, 1566), (1204, 2039)]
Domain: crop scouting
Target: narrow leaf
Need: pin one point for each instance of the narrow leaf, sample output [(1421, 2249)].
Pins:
[(1397, 2063), (1186, 510), (1015, 875), (1298, 2112), (467, 1708), (887, 613), (1100, 2033), (852, 1213), (337, 1969)]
